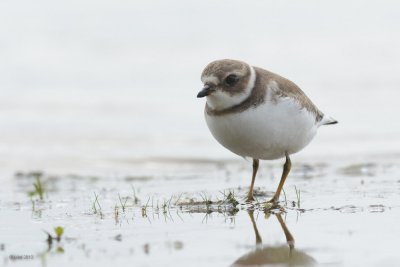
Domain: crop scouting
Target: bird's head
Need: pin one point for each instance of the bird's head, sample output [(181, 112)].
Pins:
[(226, 83)]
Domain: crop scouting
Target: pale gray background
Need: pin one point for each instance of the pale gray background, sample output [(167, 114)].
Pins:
[(85, 81)]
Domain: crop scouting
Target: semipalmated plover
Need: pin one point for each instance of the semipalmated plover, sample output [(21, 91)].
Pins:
[(258, 114)]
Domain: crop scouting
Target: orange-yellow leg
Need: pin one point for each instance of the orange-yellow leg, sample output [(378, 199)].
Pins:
[(286, 170), (250, 196)]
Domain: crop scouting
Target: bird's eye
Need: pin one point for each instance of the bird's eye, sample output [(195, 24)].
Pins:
[(231, 79)]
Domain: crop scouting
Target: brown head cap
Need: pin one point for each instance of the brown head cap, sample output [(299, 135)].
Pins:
[(231, 76)]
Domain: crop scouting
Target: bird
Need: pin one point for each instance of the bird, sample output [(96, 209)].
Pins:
[(258, 114)]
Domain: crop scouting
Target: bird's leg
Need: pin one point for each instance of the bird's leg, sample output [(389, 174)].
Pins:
[(250, 196), (286, 170)]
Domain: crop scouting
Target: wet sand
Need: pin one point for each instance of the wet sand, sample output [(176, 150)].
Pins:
[(346, 215)]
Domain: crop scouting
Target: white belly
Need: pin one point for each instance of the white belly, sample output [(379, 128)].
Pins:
[(265, 132)]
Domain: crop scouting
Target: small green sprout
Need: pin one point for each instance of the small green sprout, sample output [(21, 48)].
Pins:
[(96, 201), (284, 194), (39, 190), (135, 198), (123, 205), (231, 199), (59, 232), (298, 196), (144, 208)]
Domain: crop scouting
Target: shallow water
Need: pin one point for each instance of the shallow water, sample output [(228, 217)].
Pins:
[(347, 216)]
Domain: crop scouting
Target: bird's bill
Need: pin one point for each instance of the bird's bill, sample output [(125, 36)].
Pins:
[(205, 91)]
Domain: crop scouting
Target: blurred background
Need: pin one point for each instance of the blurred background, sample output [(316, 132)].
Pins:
[(86, 83)]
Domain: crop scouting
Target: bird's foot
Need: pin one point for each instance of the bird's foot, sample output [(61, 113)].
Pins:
[(250, 198), (271, 204), (273, 201)]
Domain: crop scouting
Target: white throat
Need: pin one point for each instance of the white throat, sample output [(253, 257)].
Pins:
[(220, 100)]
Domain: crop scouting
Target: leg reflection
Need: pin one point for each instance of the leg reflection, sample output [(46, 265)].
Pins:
[(253, 222), (284, 255), (289, 237)]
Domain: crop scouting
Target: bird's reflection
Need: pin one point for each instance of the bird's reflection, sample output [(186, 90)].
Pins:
[(284, 255)]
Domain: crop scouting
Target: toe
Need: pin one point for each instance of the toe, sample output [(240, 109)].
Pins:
[(250, 199), (273, 201)]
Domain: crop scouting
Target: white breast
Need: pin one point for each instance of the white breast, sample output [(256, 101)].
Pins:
[(265, 132)]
